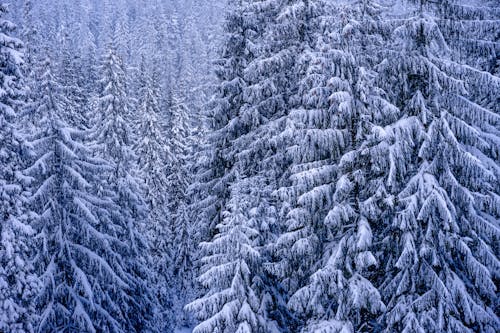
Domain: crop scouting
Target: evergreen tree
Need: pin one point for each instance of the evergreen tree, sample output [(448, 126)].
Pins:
[(229, 123), (335, 177), (178, 180), (31, 66), (440, 245), (113, 138), (29, 35), (84, 287), (312, 148), (279, 36), (215, 166), (153, 155), (231, 304), (69, 75), (18, 283)]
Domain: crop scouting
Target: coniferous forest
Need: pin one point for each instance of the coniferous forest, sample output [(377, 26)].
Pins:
[(249, 166)]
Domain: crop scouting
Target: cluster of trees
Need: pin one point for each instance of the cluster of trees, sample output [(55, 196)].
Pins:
[(98, 104), (352, 177), (344, 175)]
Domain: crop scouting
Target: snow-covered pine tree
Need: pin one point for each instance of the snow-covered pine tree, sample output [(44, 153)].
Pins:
[(440, 247), (243, 32), (471, 31), (312, 146), (178, 169), (84, 287), (122, 35), (31, 64), (214, 169), (153, 156), (334, 178), (280, 36), (113, 137), (29, 36), (230, 264), (333, 182), (75, 102), (18, 283), (87, 61)]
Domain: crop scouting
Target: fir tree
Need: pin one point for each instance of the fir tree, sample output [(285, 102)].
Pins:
[(335, 217), (83, 284), (230, 263), (18, 283), (439, 246), (153, 155), (113, 137), (215, 167), (178, 180), (281, 34)]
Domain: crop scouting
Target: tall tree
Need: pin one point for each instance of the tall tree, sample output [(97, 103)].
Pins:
[(18, 283), (231, 303), (113, 138), (214, 169), (178, 179), (84, 287), (336, 183), (153, 157), (440, 246), (228, 123)]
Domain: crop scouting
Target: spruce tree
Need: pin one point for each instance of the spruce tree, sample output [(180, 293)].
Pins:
[(281, 34), (153, 156), (214, 169), (84, 287), (178, 179), (337, 183), (18, 283), (113, 138), (228, 123), (439, 245), (69, 76), (230, 261)]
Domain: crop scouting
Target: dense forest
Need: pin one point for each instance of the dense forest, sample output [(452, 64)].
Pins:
[(249, 166)]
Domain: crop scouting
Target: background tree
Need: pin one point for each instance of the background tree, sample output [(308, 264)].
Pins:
[(113, 138), (153, 156)]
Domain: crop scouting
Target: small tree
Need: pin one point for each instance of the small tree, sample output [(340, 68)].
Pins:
[(230, 263)]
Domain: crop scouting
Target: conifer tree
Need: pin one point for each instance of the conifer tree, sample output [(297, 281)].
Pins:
[(215, 168), (439, 245), (229, 123), (153, 155), (113, 137), (29, 36), (84, 287), (281, 33), (75, 102), (18, 283), (334, 187), (230, 263), (178, 180)]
